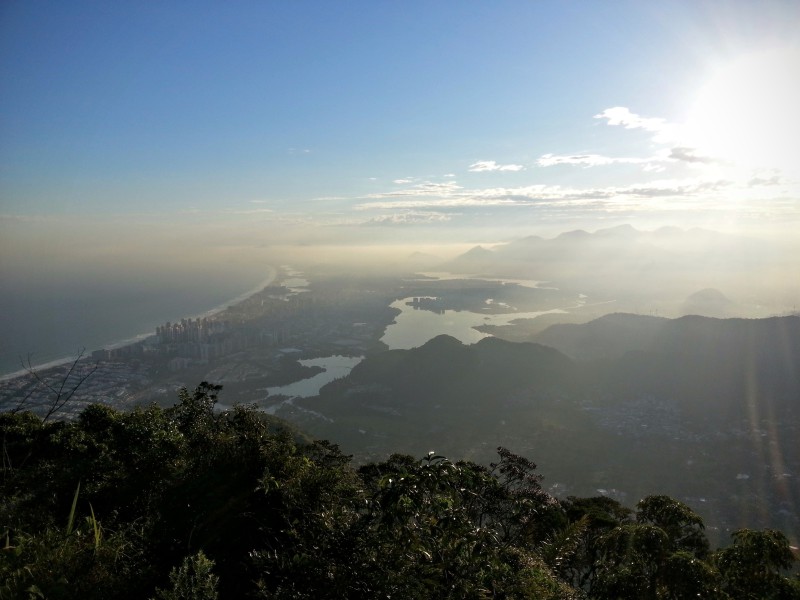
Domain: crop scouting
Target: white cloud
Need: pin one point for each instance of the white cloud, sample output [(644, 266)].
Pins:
[(686, 154), (766, 179), (667, 135), (590, 160), (438, 188), (250, 211), (441, 203), (489, 165), (620, 115), (421, 189), (715, 187), (402, 181), (652, 164), (677, 188), (450, 197), (585, 160), (408, 218), (663, 131)]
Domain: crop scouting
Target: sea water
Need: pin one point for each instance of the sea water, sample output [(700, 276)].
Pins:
[(47, 323)]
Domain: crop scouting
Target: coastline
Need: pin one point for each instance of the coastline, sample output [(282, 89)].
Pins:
[(271, 277)]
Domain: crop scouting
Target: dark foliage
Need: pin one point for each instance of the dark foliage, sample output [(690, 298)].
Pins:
[(190, 502)]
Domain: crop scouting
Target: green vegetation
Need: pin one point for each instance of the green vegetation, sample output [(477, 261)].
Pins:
[(705, 410), (191, 503)]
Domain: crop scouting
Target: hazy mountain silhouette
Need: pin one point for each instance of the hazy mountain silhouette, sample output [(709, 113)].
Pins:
[(655, 271), (609, 337), (708, 302)]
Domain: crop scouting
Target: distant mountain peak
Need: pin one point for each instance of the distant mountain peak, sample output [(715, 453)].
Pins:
[(477, 252), (626, 230), (529, 239), (574, 234), (708, 302), (707, 294)]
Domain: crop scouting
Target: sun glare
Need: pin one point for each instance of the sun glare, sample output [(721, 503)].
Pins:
[(747, 114)]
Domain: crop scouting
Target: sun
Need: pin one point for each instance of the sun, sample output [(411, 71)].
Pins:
[(748, 114)]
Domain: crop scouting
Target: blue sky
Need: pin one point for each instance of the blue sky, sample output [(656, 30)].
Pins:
[(322, 122)]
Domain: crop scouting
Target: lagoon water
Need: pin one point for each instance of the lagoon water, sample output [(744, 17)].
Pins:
[(335, 367), (414, 326)]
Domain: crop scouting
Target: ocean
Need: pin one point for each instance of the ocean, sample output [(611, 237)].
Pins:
[(51, 322)]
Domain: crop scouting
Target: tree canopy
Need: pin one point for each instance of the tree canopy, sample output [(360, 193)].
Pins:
[(192, 502)]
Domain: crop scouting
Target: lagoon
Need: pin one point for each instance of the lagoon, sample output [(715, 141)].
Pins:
[(415, 326), (335, 367)]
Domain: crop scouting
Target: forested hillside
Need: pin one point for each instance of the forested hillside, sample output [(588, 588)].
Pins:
[(705, 410), (189, 502)]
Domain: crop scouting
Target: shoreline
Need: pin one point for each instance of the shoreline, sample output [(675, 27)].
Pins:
[(273, 275)]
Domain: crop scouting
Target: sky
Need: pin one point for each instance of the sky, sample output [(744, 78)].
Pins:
[(136, 129)]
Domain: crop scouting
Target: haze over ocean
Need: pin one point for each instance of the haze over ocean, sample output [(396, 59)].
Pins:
[(54, 320)]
